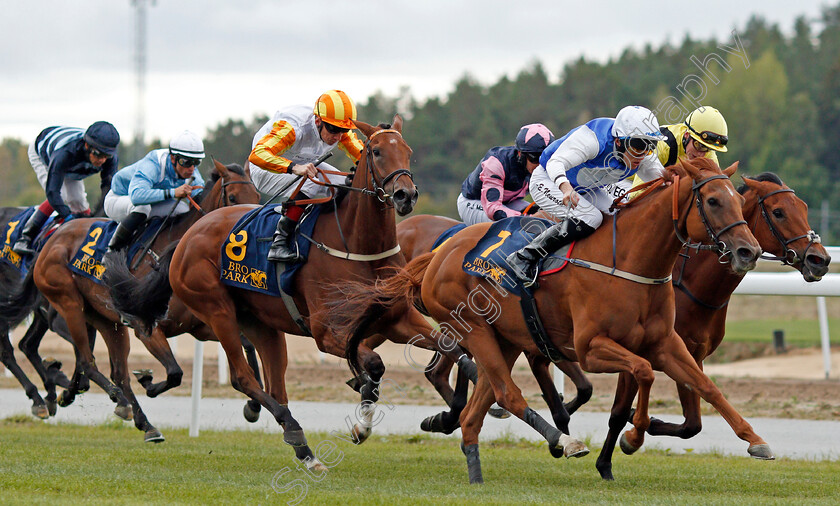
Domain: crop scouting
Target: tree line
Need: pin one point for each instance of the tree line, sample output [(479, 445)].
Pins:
[(780, 95)]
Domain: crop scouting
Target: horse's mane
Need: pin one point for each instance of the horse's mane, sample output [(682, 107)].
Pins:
[(763, 177)]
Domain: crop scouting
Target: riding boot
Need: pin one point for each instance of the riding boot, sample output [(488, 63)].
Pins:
[(125, 231), (23, 246), (524, 261), (281, 249)]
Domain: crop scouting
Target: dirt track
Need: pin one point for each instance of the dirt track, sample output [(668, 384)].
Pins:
[(786, 386)]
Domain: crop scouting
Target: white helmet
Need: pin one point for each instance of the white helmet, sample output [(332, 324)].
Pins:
[(187, 144), (635, 121)]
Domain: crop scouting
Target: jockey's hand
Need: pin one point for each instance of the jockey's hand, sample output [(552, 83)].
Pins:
[(184, 190), (668, 176), (307, 170), (570, 196)]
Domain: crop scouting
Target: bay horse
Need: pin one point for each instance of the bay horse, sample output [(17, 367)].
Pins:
[(43, 318), (363, 224), (608, 324), (81, 301)]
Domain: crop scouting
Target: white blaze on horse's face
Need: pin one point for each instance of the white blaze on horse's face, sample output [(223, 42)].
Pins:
[(393, 141)]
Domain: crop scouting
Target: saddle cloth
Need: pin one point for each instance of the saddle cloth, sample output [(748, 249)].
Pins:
[(87, 261), (487, 258), (12, 232), (447, 234), (244, 254)]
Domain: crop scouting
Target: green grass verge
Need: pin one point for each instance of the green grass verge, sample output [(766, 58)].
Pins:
[(798, 333), (61, 464)]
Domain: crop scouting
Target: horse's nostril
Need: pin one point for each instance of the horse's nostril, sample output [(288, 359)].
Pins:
[(747, 253)]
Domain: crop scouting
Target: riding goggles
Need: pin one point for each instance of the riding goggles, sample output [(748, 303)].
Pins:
[(99, 154), (333, 129), (639, 147), (187, 162), (711, 137)]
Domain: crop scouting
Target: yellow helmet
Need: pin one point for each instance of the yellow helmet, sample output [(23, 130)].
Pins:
[(336, 108), (707, 126)]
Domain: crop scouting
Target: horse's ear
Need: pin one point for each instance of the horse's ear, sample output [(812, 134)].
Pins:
[(397, 124), (220, 168), (364, 127), (731, 169)]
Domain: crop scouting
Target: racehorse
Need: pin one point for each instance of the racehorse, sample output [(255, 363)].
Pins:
[(43, 318), (779, 221), (80, 300), (608, 324), (361, 233)]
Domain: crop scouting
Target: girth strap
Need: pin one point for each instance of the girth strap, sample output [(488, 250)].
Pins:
[(536, 329)]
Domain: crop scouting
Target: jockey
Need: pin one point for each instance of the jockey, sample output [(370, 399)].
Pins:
[(702, 134), (574, 169), (497, 186), (61, 158), (155, 186), (288, 145)]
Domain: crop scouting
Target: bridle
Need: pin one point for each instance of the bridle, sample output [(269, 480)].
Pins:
[(379, 187), (790, 257), (223, 193), (717, 244)]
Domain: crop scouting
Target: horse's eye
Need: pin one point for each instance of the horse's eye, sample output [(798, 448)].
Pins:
[(778, 213), (376, 152), (232, 198), (713, 202)]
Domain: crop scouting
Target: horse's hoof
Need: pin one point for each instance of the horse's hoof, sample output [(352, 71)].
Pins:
[(52, 407), (251, 415), (499, 412), (315, 465), (142, 375), (51, 363), (65, 399), (40, 411), (153, 436), (761, 452), (124, 412), (575, 449), (626, 447), (555, 451), (360, 434)]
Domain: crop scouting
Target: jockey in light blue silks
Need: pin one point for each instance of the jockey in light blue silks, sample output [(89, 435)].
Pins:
[(573, 171), (152, 186), (497, 186)]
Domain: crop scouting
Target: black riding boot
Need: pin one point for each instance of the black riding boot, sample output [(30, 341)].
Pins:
[(281, 250), (524, 261), (23, 246), (125, 231)]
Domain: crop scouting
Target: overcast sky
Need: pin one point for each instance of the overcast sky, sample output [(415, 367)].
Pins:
[(71, 62)]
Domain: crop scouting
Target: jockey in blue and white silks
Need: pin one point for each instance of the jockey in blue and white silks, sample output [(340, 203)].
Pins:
[(497, 186), (575, 168), (154, 186)]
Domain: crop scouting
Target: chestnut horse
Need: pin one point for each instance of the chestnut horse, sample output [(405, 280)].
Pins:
[(608, 324), (364, 224), (81, 301)]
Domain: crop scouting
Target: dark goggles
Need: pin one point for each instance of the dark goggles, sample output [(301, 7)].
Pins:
[(187, 162), (99, 153), (333, 129), (640, 146), (533, 157), (710, 137)]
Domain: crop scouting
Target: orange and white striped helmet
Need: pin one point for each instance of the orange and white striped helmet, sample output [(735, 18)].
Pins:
[(336, 108)]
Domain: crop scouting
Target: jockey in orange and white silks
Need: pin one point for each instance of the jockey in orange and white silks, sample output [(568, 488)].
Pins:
[(575, 168), (497, 186), (289, 144)]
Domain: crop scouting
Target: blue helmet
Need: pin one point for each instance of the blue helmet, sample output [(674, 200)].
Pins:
[(103, 136), (533, 138)]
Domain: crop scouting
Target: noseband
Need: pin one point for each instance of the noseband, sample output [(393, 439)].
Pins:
[(717, 244), (791, 257)]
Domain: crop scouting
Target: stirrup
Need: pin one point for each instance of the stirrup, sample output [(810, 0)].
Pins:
[(23, 247)]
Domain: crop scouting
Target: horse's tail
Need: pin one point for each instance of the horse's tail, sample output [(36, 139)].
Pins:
[(142, 299), (21, 299), (363, 303)]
